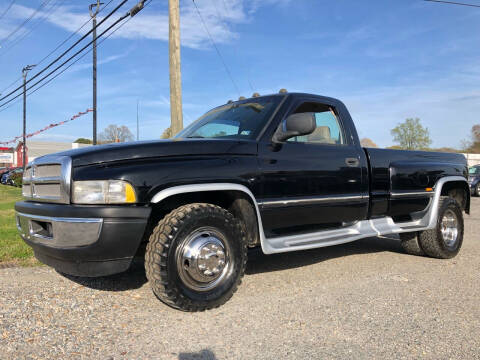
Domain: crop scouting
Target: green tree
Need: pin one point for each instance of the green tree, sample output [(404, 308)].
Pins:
[(83, 141), (411, 135), (167, 133)]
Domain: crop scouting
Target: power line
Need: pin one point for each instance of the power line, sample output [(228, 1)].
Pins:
[(42, 5), (453, 3), (227, 70), (65, 52), (236, 47), (131, 13), (6, 10), (56, 48), (66, 61), (28, 32)]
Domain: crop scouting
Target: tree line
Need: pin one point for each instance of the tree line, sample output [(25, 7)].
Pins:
[(412, 135)]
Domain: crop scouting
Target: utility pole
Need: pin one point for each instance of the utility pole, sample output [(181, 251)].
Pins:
[(175, 72), (25, 71), (93, 15), (138, 136)]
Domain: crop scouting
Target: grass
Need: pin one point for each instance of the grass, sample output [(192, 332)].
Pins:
[(13, 250)]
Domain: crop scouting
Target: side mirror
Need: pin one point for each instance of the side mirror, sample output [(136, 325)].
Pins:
[(295, 125)]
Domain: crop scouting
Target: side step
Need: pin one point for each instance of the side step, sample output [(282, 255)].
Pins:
[(359, 230)]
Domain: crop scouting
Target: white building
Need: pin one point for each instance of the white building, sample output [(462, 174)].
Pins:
[(39, 148)]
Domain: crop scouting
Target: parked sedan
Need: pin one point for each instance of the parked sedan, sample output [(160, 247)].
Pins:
[(474, 180)]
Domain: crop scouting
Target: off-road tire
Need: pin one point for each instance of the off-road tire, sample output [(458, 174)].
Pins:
[(410, 243), (431, 241), (161, 263)]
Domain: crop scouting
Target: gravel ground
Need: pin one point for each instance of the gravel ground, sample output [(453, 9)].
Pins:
[(361, 300)]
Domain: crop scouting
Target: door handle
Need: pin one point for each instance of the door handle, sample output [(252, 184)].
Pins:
[(351, 162)]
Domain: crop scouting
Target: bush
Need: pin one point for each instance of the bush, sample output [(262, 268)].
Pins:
[(17, 179)]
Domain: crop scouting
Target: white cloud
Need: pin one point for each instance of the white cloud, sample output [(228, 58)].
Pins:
[(102, 61), (220, 17)]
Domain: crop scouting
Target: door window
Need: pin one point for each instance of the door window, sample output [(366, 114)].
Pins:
[(328, 130)]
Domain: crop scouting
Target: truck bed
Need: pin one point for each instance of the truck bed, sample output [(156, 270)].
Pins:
[(399, 179)]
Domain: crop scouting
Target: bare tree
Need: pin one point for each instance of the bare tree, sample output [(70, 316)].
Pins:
[(473, 145), (114, 133), (366, 142)]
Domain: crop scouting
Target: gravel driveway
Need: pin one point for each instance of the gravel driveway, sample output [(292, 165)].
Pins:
[(361, 300)]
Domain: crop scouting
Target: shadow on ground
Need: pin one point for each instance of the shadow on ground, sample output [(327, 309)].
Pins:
[(135, 277), (201, 355), (260, 263), (131, 279)]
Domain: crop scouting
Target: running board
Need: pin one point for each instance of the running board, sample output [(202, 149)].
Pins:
[(362, 229), (359, 230)]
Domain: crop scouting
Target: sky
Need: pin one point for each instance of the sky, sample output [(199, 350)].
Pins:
[(387, 60)]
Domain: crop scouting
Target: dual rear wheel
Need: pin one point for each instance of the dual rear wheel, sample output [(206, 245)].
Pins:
[(445, 240)]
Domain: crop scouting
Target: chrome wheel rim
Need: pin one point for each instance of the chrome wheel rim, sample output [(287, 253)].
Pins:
[(449, 228), (203, 259)]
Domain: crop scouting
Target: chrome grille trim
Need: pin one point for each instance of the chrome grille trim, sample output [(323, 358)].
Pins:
[(48, 170)]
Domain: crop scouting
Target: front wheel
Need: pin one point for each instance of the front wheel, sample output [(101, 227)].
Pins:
[(477, 189), (445, 240), (196, 257)]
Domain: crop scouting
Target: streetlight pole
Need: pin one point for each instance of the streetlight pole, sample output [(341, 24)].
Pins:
[(25, 71), (93, 15)]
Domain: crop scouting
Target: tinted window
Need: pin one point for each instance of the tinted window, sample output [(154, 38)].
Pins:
[(243, 119), (328, 130)]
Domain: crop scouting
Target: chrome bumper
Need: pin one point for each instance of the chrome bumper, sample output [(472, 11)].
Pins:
[(58, 232)]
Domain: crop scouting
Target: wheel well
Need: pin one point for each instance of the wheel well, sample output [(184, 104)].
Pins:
[(237, 202), (459, 191)]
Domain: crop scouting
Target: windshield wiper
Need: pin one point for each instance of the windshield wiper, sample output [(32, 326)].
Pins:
[(195, 137)]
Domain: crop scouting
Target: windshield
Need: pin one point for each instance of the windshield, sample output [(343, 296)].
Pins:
[(239, 120), (474, 171)]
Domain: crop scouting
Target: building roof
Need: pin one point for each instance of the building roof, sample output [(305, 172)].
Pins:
[(40, 148)]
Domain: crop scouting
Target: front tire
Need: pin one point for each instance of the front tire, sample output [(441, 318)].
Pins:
[(477, 189), (445, 240), (196, 257)]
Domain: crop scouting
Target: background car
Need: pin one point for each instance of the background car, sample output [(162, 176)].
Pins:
[(3, 170), (474, 180), (7, 176), (15, 177)]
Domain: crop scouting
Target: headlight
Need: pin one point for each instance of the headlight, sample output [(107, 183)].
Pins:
[(103, 192)]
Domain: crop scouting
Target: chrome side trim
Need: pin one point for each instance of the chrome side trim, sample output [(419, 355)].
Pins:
[(411, 194), (316, 200), (61, 219), (359, 230), (64, 232)]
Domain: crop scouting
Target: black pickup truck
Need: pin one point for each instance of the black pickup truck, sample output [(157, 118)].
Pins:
[(283, 172)]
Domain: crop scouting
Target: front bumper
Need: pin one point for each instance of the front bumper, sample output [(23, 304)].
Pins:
[(82, 240)]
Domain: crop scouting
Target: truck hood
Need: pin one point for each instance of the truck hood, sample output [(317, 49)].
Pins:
[(157, 149)]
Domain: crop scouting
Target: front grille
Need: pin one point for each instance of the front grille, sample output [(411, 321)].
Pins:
[(47, 179)]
